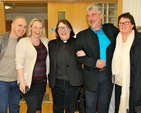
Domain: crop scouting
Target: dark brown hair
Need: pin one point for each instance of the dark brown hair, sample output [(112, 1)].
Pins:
[(130, 17), (66, 22)]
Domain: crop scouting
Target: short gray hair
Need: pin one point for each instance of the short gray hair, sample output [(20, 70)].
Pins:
[(17, 17), (95, 7)]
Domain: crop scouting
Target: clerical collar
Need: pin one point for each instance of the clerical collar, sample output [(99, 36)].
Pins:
[(64, 41)]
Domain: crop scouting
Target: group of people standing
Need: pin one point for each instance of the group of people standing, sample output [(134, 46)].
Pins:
[(105, 59)]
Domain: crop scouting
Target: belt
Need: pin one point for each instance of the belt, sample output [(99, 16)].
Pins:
[(98, 69), (102, 69)]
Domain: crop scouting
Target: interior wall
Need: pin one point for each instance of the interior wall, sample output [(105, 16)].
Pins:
[(75, 12), (28, 16), (2, 18), (133, 6)]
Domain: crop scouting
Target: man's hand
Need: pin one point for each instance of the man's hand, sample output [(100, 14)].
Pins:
[(100, 63)]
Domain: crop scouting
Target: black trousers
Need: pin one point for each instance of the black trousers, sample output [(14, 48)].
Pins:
[(64, 96), (117, 97), (34, 102), (34, 97)]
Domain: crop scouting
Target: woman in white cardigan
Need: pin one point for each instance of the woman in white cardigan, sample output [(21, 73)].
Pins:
[(32, 64)]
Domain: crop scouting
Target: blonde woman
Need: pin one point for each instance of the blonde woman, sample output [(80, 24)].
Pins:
[(32, 65)]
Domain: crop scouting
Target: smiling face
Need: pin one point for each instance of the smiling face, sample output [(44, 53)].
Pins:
[(36, 29), (125, 25), (94, 19), (63, 31), (18, 28)]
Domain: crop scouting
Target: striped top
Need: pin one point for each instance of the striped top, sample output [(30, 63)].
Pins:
[(39, 72)]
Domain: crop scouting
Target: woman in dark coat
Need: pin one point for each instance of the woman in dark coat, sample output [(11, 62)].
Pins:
[(126, 66), (65, 77)]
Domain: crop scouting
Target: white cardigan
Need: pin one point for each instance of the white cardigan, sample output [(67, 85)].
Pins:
[(26, 57)]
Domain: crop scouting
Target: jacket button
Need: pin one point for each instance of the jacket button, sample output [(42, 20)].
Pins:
[(67, 65)]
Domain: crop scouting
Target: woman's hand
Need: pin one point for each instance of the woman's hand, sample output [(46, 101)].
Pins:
[(22, 87)]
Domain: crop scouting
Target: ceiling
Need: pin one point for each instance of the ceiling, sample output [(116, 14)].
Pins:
[(26, 8)]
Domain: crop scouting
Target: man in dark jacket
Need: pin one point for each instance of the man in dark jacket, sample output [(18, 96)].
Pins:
[(94, 48)]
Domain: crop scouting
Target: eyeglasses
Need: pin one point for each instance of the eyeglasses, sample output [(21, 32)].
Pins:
[(63, 28), (123, 23)]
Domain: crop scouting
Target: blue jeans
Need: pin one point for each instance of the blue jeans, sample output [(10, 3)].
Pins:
[(9, 97), (100, 95), (64, 96)]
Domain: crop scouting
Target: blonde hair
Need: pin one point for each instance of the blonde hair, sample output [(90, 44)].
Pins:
[(31, 23), (95, 7)]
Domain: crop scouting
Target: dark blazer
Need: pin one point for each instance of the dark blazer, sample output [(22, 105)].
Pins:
[(135, 73), (74, 69), (87, 40)]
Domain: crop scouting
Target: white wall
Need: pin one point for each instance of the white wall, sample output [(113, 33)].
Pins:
[(28, 16), (134, 7)]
